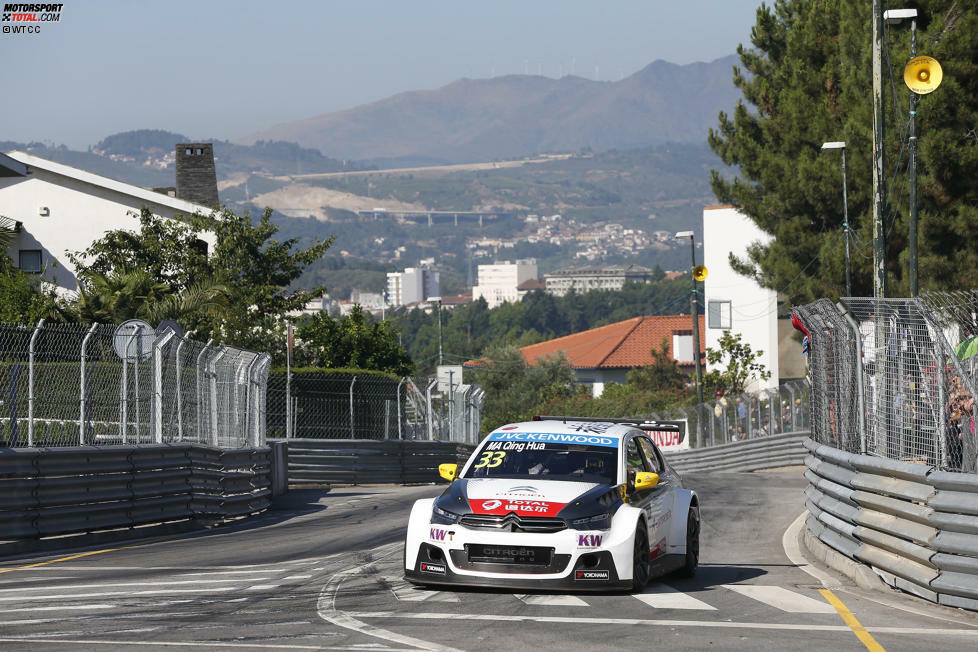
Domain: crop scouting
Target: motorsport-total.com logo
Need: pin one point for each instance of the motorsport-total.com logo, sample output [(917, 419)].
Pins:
[(26, 17)]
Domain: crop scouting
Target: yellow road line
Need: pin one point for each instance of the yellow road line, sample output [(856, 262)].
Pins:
[(87, 554), (865, 637)]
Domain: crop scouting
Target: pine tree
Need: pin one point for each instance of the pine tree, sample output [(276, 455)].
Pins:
[(806, 80)]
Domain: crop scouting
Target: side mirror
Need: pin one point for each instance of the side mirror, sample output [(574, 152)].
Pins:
[(644, 480), (449, 471)]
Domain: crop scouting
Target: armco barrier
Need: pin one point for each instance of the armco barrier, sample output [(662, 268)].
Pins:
[(916, 527), (767, 452), (46, 492), (364, 461)]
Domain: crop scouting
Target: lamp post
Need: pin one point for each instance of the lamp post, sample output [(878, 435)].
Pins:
[(893, 17), (694, 310), (845, 209), (879, 156)]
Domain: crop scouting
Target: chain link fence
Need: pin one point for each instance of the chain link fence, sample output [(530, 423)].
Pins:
[(896, 378), (333, 405), (101, 384)]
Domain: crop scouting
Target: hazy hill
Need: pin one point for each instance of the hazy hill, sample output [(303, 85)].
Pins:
[(516, 115)]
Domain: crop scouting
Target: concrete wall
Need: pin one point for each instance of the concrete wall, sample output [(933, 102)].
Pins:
[(754, 310)]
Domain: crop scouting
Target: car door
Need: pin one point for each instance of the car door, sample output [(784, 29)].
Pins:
[(660, 499), (635, 462)]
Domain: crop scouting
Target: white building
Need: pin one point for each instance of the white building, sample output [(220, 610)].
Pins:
[(413, 285), (498, 282), (55, 208), (733, 302), (587, 278)]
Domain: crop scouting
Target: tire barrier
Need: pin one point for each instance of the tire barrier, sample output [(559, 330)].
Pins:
[(363, 461), (57, 491), (767, 452), (916, 527)]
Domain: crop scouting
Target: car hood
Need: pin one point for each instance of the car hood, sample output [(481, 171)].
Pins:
[(522, 497)]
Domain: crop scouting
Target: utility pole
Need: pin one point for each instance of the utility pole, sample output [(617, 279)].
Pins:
[(694, 311), (879, 158), (845, 218), (914, 98)]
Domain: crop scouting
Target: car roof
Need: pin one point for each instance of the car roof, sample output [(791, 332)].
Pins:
[(615, 431)]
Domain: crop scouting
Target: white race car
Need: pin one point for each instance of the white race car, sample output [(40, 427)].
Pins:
[(559, 502)]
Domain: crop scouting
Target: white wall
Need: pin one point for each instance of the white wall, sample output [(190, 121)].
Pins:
[(754, 310), (79, 213), (498, 282)]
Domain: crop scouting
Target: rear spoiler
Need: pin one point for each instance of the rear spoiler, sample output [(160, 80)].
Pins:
[(644, 424)]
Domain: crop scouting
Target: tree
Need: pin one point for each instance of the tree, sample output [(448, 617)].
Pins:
[(248, 267), (353, 342), (22, 299), (740, 365), (663, 374), (805, 81)]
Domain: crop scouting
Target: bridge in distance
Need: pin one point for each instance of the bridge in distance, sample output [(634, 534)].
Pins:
[(433, 217), (322, 571)]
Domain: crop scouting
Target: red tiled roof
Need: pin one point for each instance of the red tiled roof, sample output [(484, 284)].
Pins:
[(626, 343)]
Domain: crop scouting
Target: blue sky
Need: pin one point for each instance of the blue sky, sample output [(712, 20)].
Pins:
[(226, 69)]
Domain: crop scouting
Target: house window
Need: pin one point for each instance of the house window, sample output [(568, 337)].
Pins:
[(718, 314), (682, 346), (30, 261)]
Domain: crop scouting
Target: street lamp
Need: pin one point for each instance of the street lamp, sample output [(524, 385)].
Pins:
[(437, 300), (694, 310), (893, 17), (845, 209)]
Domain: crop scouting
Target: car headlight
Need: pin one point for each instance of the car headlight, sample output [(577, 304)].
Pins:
[(443, 517), (597, 522)]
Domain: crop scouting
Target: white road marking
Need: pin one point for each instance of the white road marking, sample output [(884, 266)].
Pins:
[(783, 599), (326, 606), (218, 644), (295, 577), (643, 621), (110, 584), (262, 587), (227, 572), (663, 596), (62, 607), (409, 593), (551, 600), (127, 594)]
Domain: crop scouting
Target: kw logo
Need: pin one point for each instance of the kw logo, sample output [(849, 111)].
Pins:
[(438, 534), (589, 540)]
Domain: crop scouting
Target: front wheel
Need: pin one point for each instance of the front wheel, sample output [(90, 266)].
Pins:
[(641, 562), (692, 543)]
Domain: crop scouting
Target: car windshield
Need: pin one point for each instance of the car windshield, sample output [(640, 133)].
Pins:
[(545, 460)]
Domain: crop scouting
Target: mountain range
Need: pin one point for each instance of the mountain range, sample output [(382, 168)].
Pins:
[(518, 115)]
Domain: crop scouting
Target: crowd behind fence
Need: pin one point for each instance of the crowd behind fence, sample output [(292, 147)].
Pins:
[(102, 384), (896, 378), (334, 405), (739, 417)]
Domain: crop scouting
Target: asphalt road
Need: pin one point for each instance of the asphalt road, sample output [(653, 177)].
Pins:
[(322, 571)]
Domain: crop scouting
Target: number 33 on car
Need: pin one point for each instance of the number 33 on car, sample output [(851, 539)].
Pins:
[(558, 502)]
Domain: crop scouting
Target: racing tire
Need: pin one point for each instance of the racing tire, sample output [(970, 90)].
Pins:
[(641, 559), (688, 568)]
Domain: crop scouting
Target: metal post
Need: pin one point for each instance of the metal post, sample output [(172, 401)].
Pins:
[(124, 390), (81, 392), (135, 370), (440, 360), (200, 390), (156, 404), (857, 335), (251, 396), (288, 384), (179, 372), (845, 219), (30, 384), (431, 416), (212, 374), (694, 311), (400, 431), (352, 383), (879, 157), (451, 406), (914, 98)]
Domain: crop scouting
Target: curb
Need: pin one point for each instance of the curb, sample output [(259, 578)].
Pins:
[(862, 575)]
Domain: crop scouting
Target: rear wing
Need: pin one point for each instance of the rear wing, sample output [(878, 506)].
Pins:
[(667, 435), (644, 424)]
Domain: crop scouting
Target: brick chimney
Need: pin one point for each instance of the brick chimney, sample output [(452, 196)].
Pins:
[(196, 176)]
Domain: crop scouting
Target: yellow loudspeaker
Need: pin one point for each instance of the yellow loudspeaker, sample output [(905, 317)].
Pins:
[(923, 75), (699, 273)]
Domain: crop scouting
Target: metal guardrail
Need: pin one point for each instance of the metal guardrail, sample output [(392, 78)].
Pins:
[(363, 461), (57, 491), (768, 452), (916, 526)]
